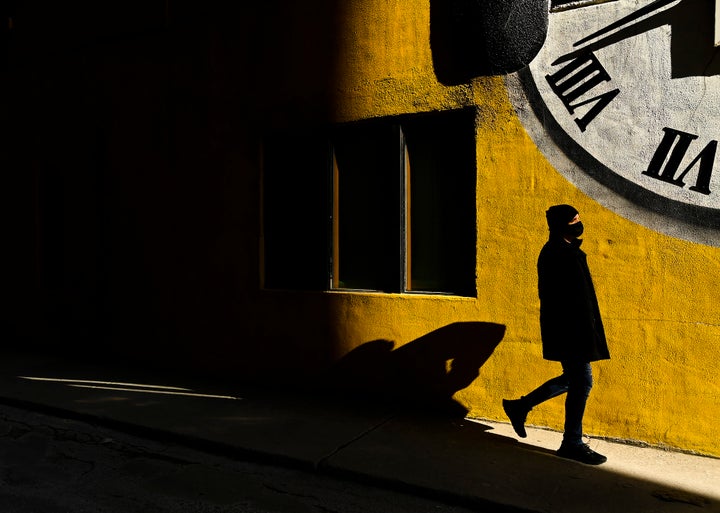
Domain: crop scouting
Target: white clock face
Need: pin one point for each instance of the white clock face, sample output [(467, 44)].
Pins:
[(629, 92)]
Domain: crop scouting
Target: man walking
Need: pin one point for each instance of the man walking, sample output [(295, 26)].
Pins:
[(571, 329)]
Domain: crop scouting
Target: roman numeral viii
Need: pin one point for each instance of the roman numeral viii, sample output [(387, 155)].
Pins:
[(670, 154), (575, 80)]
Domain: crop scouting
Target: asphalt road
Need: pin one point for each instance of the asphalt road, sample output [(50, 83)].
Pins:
[(56, 465)]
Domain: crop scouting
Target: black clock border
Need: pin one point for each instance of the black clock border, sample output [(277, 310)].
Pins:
[(704, 217)]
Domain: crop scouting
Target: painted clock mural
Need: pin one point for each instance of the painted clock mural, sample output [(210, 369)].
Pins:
[(625, 98)]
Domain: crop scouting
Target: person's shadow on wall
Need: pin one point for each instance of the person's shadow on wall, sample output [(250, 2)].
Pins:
[(423, 374)]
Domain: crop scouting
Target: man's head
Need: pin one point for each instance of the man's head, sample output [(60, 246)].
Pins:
[(564, 220)]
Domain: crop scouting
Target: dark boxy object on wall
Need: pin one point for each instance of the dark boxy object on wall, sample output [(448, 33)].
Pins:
[(471, 38)]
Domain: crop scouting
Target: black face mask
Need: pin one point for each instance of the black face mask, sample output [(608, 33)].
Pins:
[(575, 230)]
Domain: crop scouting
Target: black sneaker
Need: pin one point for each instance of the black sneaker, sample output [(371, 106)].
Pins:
[(517, 413), (581, 453)]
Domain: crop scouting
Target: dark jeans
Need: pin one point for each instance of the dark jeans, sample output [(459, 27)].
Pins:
[(576, 380)]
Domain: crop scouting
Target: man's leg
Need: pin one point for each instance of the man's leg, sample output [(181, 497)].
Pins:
[(518, 409), (580, 383)]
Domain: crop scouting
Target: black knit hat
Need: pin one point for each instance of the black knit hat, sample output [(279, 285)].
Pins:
[(558, 217)]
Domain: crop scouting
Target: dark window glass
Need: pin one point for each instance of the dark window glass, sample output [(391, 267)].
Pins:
[(368, 181), (442, 234)]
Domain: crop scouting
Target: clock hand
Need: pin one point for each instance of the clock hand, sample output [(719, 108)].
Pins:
[(654, 6), (623, 23)]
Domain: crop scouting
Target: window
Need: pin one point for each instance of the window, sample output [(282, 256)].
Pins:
[(367, 207), (382, 205)]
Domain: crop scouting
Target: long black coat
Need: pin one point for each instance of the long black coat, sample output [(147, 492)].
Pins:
[(570, 322)]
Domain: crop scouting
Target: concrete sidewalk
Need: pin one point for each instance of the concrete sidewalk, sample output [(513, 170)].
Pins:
[(475, 463)]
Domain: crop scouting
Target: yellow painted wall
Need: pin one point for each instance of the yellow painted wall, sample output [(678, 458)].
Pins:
[(659, 295)]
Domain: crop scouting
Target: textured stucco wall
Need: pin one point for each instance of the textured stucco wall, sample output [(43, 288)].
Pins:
[(659, 294)]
